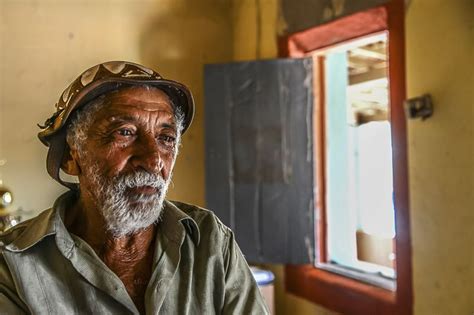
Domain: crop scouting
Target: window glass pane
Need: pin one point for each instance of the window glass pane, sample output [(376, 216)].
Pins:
[(359, 181)]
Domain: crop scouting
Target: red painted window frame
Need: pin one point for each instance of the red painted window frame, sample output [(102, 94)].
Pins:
[(333, 291)]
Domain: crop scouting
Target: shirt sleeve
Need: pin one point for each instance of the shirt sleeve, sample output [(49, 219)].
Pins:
[(10, 302), (242, 295)]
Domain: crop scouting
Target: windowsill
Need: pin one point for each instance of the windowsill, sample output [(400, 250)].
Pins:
[(374, 279), (339, 292)]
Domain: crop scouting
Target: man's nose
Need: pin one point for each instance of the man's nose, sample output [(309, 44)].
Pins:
[(147, 155)]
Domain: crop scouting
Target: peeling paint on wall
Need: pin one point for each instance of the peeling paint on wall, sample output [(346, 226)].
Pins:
[(299, 15)]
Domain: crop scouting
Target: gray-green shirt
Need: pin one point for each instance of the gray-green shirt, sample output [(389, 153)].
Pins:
[(197, 269)]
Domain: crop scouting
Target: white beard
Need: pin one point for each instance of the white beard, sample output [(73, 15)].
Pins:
[(124, 213)]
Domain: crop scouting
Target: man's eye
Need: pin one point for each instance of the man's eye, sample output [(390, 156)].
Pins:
[(125, 132), (168, 140)]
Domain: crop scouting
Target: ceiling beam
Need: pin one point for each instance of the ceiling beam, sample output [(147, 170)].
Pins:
[(369, 53), (373, 74)]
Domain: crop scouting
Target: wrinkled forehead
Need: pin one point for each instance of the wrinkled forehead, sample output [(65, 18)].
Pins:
[(140, 97)]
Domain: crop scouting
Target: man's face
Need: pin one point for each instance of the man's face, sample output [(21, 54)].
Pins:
[(128, 157)]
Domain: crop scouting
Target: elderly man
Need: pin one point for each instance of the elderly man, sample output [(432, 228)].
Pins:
[(112, 244)]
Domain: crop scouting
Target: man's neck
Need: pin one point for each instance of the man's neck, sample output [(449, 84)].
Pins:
[(130, 257)]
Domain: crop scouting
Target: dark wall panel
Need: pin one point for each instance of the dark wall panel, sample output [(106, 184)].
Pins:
[(259, 166)]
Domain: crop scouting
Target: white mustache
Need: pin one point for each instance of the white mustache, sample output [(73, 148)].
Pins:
[(139, 179)]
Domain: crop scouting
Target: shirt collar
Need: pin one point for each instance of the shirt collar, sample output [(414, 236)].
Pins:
[(50, 222), (171, 215)]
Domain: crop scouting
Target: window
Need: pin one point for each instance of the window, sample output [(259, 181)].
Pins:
[(346, 276), (357, 154)]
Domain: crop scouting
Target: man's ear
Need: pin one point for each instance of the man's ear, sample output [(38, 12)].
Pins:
[(70, 163)]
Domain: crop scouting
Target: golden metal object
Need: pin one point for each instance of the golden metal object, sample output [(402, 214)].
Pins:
[(7, 218), (6, 198)]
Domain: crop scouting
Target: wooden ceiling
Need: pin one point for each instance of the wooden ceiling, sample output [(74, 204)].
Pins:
[(368, 83)]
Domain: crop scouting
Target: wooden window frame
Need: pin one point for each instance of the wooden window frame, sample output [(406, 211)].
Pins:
[(331, 290)]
